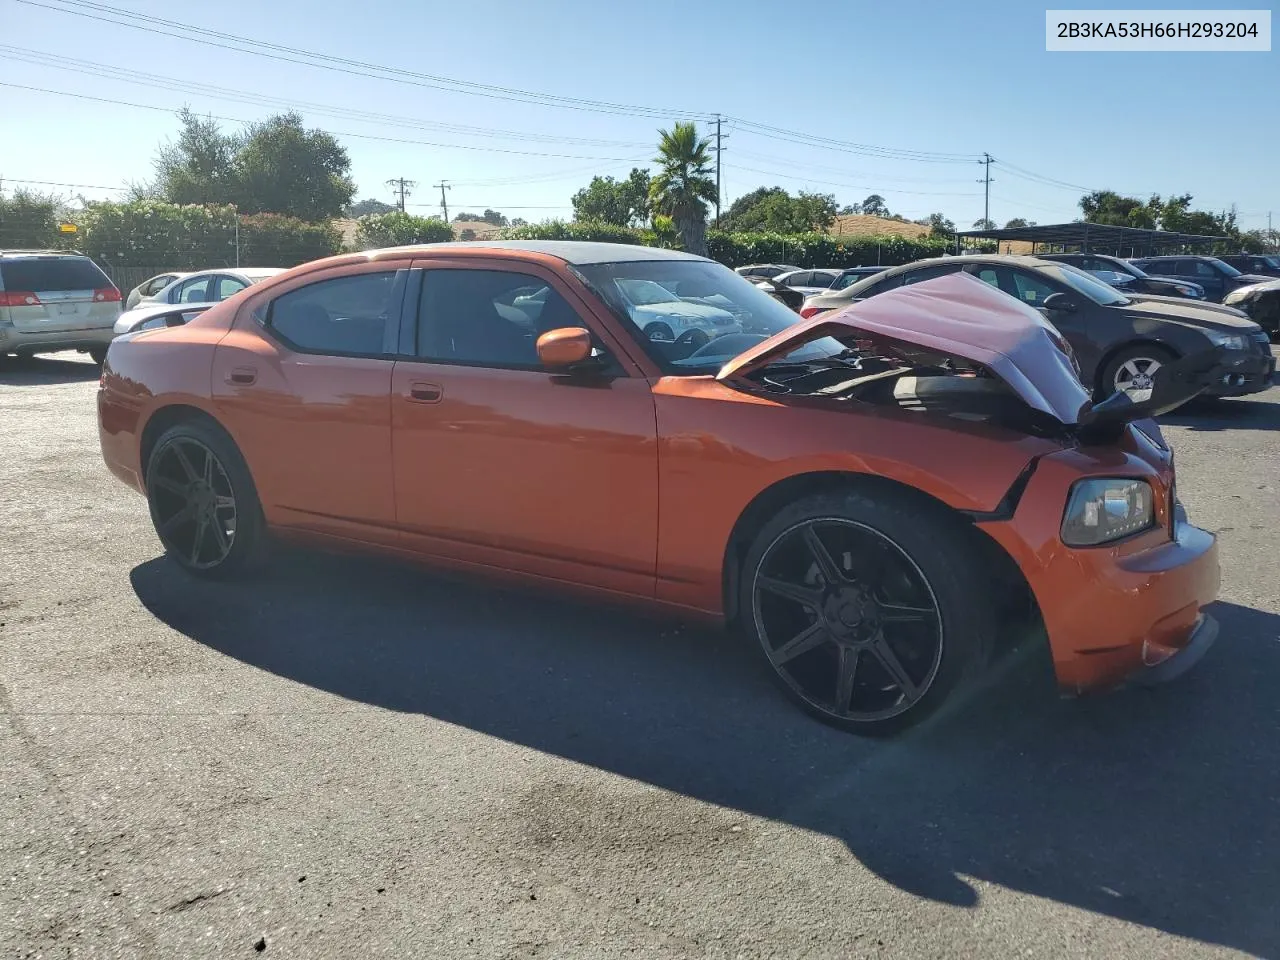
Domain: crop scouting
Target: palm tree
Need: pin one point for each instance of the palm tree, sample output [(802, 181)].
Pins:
[(683, 185)]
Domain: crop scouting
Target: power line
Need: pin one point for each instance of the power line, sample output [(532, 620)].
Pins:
[(216, 38), (51, 183), (336, 133), (173, 84), (851, 186)]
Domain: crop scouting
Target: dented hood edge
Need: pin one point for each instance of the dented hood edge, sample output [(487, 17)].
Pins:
[(956, 315)]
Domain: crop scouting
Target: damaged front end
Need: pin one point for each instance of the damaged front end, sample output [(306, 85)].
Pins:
[(955, 347)]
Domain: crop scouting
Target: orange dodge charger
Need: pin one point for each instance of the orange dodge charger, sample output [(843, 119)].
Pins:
[(866, 496)]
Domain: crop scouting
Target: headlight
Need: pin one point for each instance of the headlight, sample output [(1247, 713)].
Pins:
[(1103, 509), (1231, 341)]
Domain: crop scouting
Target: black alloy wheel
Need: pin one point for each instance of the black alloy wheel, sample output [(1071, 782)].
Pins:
[(847, 619), (203, 503), (869, 612)]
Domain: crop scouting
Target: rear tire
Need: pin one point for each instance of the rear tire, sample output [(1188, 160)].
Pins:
[(204, 505), (98, 355), (877, 634)]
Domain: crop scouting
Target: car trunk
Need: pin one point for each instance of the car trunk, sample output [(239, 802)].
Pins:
[(57, 294)]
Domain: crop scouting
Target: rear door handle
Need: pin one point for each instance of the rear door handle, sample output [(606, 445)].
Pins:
[(243, 375), (425, 392)]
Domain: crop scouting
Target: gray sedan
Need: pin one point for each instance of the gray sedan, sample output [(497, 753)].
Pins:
[(211, 286)]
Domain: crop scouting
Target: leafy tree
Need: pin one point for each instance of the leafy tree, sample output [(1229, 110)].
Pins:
[(1107, 206), (276, 166), (467, 234), (848, 209), (982, 224), (772, 208), (939, 225), (621, 203), (30, 219), (198, 167), (283, 168), (517, 222), (874, 206), (398, 229), (1019, 222), (683, 185), (489, 216), (366, 207)]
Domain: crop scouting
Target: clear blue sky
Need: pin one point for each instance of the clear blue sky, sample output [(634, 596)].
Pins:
[(953, 78)]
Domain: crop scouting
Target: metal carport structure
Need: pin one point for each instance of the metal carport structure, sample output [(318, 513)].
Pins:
[(1096, 238)]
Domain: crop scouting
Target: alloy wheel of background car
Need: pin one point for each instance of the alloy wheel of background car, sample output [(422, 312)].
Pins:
[(193, 503), (1136, 377), (659, 331), (847, 619)]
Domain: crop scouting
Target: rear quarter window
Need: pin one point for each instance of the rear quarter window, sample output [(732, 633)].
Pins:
[(70, 273)]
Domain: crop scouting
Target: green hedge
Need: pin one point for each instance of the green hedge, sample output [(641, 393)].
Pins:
[(737, 249), (30, 221), (399, 229), (150, 233)]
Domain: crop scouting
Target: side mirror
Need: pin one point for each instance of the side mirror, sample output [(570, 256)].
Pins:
[(564, 348), (1059, 302)]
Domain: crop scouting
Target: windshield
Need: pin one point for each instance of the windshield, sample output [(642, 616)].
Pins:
[(1225, 267), (1084, 283), (694, 315), (1272, 262)]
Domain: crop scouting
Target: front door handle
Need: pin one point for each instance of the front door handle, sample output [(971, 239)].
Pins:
[(242, 375), (425, 392)]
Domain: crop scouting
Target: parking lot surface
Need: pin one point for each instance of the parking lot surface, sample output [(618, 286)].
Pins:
[(348, 758)]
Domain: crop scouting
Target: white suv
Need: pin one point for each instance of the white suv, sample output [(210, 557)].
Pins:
[(54, 300)]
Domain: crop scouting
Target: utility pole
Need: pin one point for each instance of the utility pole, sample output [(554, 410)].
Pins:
[(402, 188), (444, 204), (719, 150), (986, 181)]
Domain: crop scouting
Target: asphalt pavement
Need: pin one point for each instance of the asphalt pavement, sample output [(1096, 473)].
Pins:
[(349, 758)]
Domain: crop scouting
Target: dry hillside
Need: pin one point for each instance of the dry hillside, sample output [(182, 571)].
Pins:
[(862, 225)]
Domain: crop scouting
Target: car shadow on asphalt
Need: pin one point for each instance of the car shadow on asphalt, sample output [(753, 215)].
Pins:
[(1213, 414), (45, 371), (1153, 806)]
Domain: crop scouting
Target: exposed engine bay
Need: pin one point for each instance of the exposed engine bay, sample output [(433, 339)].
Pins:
[(912, 380)]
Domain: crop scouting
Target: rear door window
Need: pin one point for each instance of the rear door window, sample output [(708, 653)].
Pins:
[(52, 274), (929, 273), (346, 316)]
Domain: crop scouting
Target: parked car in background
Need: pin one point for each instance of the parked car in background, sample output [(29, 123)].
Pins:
[(1120, 342), (807, 282), (851, 275), (152, 316), (869, 499), (1217, 278), (211, 286), (1260, 302), (764, 271), (1258, 264), (148, 288), (52, 300), (1126, 277), (662, 315)]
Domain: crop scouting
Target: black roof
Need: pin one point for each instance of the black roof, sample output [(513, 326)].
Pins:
[(1087, 235)]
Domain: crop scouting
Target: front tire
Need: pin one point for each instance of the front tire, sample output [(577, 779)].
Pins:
[(867, 610), (204, 506), (1131, 371), (98, 355)]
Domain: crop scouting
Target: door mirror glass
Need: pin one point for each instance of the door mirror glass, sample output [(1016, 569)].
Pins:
[(564, 347), (1059, 302)]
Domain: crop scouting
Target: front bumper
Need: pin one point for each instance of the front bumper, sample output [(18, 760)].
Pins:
[(1245, 373), (1117, 611)]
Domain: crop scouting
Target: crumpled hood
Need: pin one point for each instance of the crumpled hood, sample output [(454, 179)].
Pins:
[(956, 315)]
